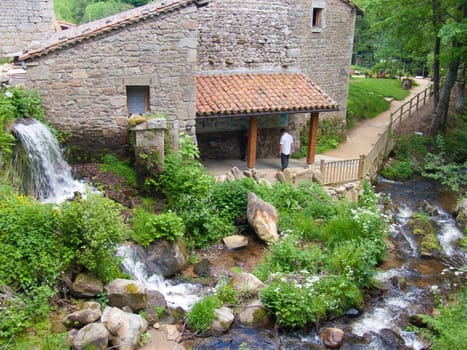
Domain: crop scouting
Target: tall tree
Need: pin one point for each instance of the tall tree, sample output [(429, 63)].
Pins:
[(416, 27)]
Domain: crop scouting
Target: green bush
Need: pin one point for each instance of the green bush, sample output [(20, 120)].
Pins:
[(398, 170), (357, 260), (201, 315), (203, 223), (91, 228), (119, 167), (21, 311), (31, 253), (184, 174), (16, 102), (148, 227), (230, 198), (448, 328), (438, 167), (297, 300), (289, 255)]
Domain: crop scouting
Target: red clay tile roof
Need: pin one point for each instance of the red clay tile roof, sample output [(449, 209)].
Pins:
[(243, 94), (101, 26)]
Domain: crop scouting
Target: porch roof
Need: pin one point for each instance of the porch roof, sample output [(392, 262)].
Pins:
[(256, 94)]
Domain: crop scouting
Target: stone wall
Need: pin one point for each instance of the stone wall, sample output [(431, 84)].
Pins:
[(22, 22), (83, 86), (276, 36)]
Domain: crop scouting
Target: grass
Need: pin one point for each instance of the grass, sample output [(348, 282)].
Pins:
[(367, 97), (119, 167)]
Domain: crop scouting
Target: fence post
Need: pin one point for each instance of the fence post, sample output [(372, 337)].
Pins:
[(321, 170), (418, 100), (410, 107), (361, 163), (388, 134), (402, 113)]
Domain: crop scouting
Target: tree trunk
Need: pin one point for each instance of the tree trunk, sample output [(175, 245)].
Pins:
[(436, 20), (460, 91), (440, 115)]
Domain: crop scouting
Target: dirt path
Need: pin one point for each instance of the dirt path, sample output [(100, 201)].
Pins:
[(361, 138)]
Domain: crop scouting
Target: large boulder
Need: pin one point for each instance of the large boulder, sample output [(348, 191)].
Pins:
[(122, 292), (125, 328), (223, 319), (262, 217), (93, 334), (254, 314), (167, 258), (90, 313), (86, 285), (246, 283)]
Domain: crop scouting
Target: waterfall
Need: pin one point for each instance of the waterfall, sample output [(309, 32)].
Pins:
[(45, 174)]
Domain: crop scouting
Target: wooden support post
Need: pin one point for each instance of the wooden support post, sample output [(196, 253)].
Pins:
[(312, 138), (252, 136), (418, 100)]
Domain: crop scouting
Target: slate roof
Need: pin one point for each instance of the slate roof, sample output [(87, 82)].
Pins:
[(99, 27), (250, 94)]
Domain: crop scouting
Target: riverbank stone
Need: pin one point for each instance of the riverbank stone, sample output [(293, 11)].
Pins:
[(262, 217)]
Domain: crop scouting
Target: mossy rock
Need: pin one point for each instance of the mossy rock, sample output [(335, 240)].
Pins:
[(423, 229), (137, 120)]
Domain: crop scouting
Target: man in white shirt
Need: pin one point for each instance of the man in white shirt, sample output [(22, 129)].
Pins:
[(286, 148)]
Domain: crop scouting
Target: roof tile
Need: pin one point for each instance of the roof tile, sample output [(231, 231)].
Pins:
[(234, 94)]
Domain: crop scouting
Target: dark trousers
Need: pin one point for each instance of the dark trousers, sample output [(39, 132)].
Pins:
[(285, 160)]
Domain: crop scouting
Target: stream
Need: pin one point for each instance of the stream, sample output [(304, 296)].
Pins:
[(408, 281)]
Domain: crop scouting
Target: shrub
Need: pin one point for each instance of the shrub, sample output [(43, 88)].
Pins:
[(16, 102), (300, 299), (230, 198), (91, 229), (438, 167), (148, 227), (398, 169), (183, 173), (201, 315), (357, 260), (203, 223), (31, 254), (22, 310), (448, 328), (289, 255)]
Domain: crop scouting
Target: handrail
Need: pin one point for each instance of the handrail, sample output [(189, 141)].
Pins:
[(380, 149)]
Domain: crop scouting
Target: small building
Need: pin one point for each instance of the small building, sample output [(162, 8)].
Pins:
[(217, 70)]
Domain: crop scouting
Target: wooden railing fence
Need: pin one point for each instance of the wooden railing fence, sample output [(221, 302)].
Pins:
[(341, 171)]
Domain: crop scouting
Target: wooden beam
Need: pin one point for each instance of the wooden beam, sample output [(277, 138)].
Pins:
[(252, 136), (312, 138)]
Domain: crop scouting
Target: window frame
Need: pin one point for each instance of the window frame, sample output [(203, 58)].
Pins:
[(138, 91), (318, 12)]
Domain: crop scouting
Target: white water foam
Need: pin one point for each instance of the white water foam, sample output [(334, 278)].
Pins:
[(449, 233), (182, 295)]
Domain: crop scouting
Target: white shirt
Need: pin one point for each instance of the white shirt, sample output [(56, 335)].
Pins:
[(286, 142)]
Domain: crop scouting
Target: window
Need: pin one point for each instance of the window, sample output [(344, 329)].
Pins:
[(137, 99), (317, 15)]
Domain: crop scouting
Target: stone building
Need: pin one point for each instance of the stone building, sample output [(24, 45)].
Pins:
[(23, 22), (225, 71)]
